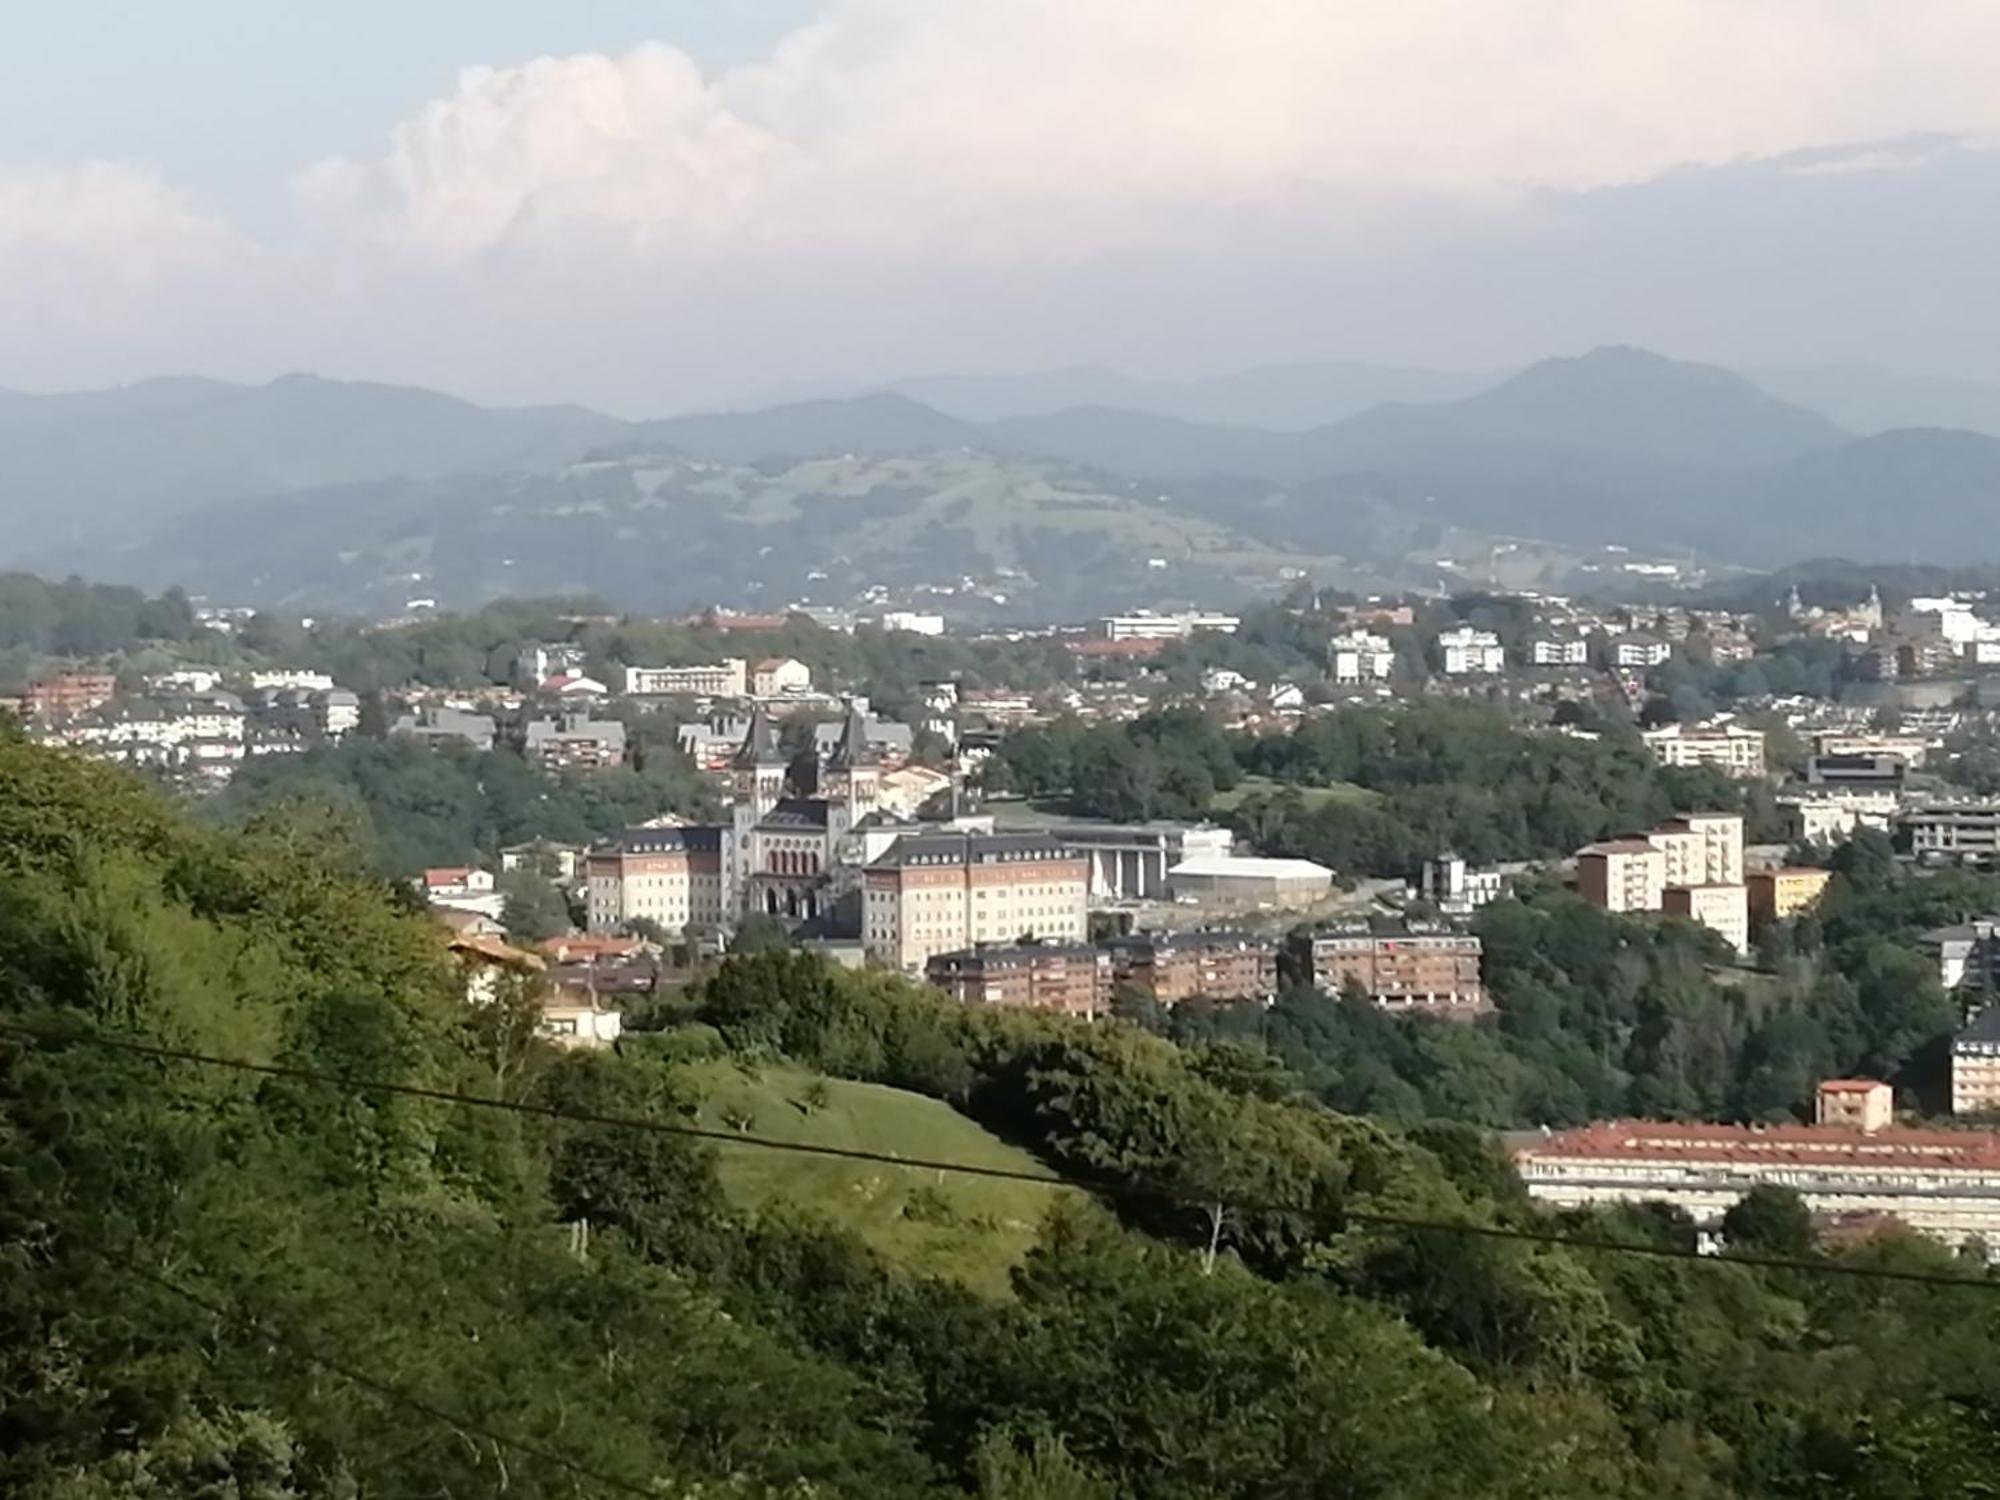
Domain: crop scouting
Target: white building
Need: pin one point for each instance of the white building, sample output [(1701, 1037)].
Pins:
[(932, 893), (1130, 861), (1249, 880), (1360, 656), (1730, 748), (1941, 1183), (912, 622), (728, 678), (1638, 652), (337, 712), (1146, 626), (275, 679), (780, 674), (1468, 652), (1559, 651)]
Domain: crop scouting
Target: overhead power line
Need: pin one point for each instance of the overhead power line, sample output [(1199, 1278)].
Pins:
[(1129, 1191)]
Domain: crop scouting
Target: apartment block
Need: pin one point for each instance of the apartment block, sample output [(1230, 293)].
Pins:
[(1778, 895), (1360, 657), (1071, 979), (1621, 875), (1702, 848), (1177, 966), (1975, 1065), (1401, 966), (1730, 748), (1468, 652), (1721, 908)]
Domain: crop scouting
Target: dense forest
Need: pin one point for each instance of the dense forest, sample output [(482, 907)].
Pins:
[(294, 1284), (1374, 791)]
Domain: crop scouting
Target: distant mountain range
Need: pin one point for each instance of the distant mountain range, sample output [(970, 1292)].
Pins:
[(240, 489)]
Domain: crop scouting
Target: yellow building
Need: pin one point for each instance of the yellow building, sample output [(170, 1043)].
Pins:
[(1776, 895)]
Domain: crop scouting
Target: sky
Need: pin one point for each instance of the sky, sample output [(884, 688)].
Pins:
[(656, 205)]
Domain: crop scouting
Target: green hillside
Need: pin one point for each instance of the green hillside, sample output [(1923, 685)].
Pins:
[(969, 1229)]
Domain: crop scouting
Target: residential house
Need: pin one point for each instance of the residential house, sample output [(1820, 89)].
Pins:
[(1466, 652)]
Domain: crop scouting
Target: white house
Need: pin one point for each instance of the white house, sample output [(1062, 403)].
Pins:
[(780, 674), (1360, 657)]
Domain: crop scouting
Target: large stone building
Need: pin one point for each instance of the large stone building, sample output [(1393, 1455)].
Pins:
[(794, 820), (1941, 1183), (1400, 966), (932, 893), (677, 877)]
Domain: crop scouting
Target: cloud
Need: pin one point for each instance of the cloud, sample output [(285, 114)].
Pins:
[(103, 225), (1058, 128)]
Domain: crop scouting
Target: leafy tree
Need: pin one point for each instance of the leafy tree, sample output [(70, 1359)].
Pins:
[(1769, 1220)]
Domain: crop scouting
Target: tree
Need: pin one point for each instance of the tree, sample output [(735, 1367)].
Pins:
[(535, 910), (1769, 1220)]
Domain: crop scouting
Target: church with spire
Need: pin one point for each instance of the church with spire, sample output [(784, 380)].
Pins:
[(794, 819)]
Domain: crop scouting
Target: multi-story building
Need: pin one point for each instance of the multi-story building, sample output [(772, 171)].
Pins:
[(336, 713), (576, 742), (728, 678), (677, 877), (1828, 815), (1702, 848), (296, 679), (794, 830), (1622, 875), (1147, 626), (1975, 1064), (1637, 652), (1558, 651), (1857, 773), (1911, 749), (780, 674), (444, 726), (1359, 657), (1717, 906), (1952, 832), (1400, 966), (1456, 888), (1177, 966), (70, 693), (1941, 1183), (932, 893), (1730, 748), (1780, 894), (1072, 979), (1467, 652)]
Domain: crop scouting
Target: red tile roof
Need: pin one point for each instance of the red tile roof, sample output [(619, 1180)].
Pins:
[(1802, 1145)]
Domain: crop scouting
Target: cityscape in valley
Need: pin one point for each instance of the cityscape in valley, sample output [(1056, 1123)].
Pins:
[(1033, 752)]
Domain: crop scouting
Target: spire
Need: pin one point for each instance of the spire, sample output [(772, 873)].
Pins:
[(852, 748), (760, 745)]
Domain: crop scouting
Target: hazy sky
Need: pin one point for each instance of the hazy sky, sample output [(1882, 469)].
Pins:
[(650, 204)]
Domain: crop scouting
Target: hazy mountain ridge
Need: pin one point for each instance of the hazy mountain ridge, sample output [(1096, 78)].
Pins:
[(1617, 445)]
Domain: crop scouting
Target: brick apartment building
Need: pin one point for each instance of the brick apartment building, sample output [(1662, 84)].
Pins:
[(1072, 979), (1403, 966), (1177, 966)]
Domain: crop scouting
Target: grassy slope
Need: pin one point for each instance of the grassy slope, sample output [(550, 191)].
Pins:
[(1315, 796), (994, 1223)]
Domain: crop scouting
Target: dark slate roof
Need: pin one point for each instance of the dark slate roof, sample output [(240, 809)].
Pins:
[(697, 838), (760, 745), (972, 848), (1984, 1027), (797, 812), (852, 749)]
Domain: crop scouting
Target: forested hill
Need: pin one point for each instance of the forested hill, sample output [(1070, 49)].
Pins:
[(222, 1283)]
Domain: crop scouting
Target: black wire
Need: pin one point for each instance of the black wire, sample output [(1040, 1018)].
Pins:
[(386, 1390), (1116, 1190)]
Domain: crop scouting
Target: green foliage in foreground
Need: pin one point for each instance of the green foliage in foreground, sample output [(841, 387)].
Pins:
[(591, 1290)]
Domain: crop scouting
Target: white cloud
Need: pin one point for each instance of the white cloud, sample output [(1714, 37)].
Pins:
[(1065, 127), (102, 225)]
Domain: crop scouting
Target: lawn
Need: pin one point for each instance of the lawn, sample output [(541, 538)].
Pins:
[(969, 1229), (1315, 796)]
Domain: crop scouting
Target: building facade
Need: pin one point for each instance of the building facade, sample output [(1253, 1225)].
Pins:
[(1941, 1183), (1781, 894), (1721, 908), (1621, 875), (932, 893), (1975, 1065), (1177, 966), (728, 678), (1952, 832), (1407, 966), (1467, 652), (1731, 748), (676, 877), (1071, 979)]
